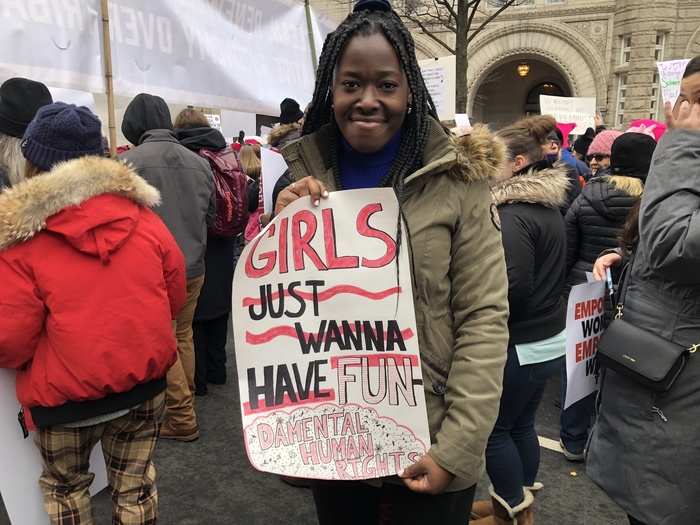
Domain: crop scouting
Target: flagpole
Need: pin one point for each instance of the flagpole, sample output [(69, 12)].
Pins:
[(312, 40), (107, 54)]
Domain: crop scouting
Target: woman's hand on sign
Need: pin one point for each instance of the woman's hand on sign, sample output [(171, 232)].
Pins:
[(687, 116), (603, 263), (310, 186), (426, 476)]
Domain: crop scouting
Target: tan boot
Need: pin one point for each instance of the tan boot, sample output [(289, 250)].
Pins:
[(504, 514), (482, 509)]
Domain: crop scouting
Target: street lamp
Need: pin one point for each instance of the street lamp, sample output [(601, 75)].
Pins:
[(523, 69)]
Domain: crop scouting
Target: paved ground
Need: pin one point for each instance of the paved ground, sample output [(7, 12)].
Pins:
[(210, 482)]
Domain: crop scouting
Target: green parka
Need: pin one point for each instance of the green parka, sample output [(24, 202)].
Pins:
[(459, 284)]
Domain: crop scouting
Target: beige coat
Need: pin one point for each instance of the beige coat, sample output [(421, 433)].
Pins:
[(460, 286)]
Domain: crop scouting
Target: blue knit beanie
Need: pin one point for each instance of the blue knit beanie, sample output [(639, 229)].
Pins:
[(61, 132)]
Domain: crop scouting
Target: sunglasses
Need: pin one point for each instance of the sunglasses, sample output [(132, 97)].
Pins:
[(598, 157)]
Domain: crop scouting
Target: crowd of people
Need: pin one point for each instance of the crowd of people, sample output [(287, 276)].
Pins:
[(117, 280)]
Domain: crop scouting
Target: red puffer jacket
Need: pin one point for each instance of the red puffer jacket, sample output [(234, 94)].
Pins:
[(90, 280)]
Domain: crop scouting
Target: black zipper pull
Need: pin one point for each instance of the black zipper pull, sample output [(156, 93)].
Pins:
[(23, 423)]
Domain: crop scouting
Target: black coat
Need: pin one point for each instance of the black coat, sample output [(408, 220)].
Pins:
[(222, 252), (534, 241), (595, 221)]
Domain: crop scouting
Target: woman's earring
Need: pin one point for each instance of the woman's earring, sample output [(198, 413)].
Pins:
[(410, 109)]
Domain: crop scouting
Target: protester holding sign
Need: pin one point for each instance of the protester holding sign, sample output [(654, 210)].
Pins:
[(372, 124), (528, 197), (640, 434), (594, 224), (91, 279)]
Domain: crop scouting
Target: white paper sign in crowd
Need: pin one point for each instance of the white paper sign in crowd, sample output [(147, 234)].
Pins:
[(578, 110), (326, 342), (20, 463), (209, 53), (584, 328), (273, 167), (670, 76)]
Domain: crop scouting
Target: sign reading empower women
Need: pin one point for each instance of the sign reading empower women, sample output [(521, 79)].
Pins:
[(326, 342)]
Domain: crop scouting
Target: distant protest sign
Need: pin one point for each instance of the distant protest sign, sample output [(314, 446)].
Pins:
[(584, 327), (578, 110), (670, 76), (326, 342)]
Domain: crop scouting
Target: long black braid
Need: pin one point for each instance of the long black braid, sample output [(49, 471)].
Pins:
[(417, 122)]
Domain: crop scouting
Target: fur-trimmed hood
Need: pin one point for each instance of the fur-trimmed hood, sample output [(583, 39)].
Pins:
[(35, 204), (478, 156), (547, 187), (283, 134)]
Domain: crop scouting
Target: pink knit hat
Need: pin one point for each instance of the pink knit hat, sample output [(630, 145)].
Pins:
[(603, 141)]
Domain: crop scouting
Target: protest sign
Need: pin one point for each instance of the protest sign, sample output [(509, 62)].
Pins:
[(21, 466), (440, 80), (273, 167), (326, 342), (584, 327), (578, 110), (670, 76)]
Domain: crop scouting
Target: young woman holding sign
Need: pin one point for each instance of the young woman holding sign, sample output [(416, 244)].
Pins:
[(372, 124)]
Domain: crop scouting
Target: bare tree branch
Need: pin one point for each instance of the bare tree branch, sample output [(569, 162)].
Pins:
[(506, 5), (429, 33)]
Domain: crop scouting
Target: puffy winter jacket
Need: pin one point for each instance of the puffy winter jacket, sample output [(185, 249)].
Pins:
[(459, 285), (595, 221), (91, 279), (644, 450), (534, 241), (183, 178)]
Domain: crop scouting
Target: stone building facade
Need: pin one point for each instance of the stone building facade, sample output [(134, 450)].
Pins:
[(605, 49)]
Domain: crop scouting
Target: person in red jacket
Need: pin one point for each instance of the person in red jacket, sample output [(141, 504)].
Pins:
[(91, 280)]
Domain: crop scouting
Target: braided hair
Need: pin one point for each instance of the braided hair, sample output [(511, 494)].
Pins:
[(417, 121)]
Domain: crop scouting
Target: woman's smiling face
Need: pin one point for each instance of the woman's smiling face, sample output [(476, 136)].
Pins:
[(370, 93)]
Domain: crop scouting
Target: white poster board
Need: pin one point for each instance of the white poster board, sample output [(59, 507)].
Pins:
[(326, 342), (273, 167), (579, 110), (670, 76), (584, 327), (441, 80), (21, 465), (74, 96), (232, 122)]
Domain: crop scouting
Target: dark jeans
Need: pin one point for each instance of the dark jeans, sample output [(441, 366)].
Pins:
[(575, 421), (357, 503), (513, 450), (210, 351), (634, 521)]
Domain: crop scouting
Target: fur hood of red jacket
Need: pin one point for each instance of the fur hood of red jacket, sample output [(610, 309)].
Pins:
[(90, 280)]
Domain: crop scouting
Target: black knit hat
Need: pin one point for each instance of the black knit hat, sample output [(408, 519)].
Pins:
[(61, 132), (631, 155), (290, 111), (582, 143), (375, 5), (20, 99)]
